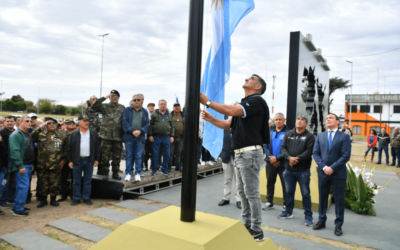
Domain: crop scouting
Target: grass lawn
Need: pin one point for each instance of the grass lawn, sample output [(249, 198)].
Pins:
[(40, 115)]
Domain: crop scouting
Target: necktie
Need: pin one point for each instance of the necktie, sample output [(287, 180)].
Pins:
[(330, 139)]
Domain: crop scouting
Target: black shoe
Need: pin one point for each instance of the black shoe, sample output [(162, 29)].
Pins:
[(28, 200), (378, 162), (178, 168), (258, 236), (105, 177), (25, 209), (2, 212), (153, 173), (20, 213), (338, 231), (165, 173), (239, 204), (43, 202), (145, 169), (392, 165), (319, 225), (223, 202), (75, 202), (53, 201), (88, 202), (63, 198), (116, 176), (398, 166)]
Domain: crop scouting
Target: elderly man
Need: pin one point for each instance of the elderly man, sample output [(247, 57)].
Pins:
[(347, 131), (297, 147), (176, 146), (161, 134), (395, 147), (52, 150), (21, 162), (383, 140), (275, 160), (135, 122), (147, 148), (93, 115), (249, 124), (111, 133)]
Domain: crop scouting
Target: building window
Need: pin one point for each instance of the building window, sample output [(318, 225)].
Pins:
[(357, 130), (353, 108), (396, 109), (377, 109), (377, 129), (365, 108)]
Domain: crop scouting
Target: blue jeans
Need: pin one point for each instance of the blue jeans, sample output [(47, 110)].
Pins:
[(9, 190), (291, 178), (22, 188), (164, 144), (397, 151), (87, 169), (134, 154), (2, 175), (386, 153), (392, 152), (372, 150)]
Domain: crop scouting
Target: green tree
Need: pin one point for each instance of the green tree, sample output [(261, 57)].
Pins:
[(336, 83), (9, 105), (75, 111), (68, 111), (60, 109), (45, 108), (17, 98), (30, 107)]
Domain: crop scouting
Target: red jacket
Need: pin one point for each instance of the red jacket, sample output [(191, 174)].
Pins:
[(373, 144)]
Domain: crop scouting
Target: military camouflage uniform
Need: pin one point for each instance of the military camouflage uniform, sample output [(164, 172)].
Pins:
[(52, 149), (395, 148), (66, 173), (111, 134), (94, 122)]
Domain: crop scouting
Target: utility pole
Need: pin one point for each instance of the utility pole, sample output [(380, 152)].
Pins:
[(101, 74), (351, 93), (1, 95), (38, 101)]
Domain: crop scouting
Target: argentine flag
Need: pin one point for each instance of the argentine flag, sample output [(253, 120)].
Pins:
[(225, 17)]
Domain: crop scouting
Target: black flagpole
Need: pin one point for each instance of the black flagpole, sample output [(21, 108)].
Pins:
[(192, 107)]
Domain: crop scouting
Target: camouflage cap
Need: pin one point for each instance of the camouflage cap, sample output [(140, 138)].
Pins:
[(46, 119), (114, 92), (83, 117), (70, 120), (151, 104)]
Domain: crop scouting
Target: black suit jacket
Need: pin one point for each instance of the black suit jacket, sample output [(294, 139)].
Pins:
[(74, 147), (227, 150)]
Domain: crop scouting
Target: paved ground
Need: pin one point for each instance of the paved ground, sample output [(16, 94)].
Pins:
[(380, 232)]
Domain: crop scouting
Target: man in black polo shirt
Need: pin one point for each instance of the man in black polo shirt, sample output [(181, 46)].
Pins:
[(249, 124)]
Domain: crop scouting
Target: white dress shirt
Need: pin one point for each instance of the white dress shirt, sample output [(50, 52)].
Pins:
[(85, 144)]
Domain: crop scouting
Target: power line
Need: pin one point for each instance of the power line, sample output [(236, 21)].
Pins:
[(369, 54)]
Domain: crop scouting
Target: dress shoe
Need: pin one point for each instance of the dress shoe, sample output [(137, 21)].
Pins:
[(53, 201), (63, 198), (239, 204), (319, 225), (105, 177), (338, 231), (75, 202), (43, 202), (88, 202), (116, 176), (223, 202)]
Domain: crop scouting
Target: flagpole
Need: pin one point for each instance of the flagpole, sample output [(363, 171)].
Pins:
[(192, 101)]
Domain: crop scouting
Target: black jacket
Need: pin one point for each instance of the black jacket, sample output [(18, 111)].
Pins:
[(300, 146), (5, 134), (227, 150), (74, 147)]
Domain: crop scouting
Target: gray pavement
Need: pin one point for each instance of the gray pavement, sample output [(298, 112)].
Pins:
[(139, 206), (112, 215), (380, 232)]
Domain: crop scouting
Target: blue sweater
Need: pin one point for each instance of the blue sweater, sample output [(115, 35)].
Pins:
[(274, 147), (127, 124)]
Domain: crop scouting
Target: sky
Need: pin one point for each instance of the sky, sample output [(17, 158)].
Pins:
[(52, 49)]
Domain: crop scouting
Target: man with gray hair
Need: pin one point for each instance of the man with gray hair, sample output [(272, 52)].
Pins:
[(135, 122), (275, 160), (161, 134)]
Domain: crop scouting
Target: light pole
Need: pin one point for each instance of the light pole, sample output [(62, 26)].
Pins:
[(1, 95), (101, 74), (351, 92)]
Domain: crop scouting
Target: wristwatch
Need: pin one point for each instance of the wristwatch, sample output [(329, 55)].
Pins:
[(208, 103)]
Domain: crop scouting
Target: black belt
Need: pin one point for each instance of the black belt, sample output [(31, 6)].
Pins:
[(84, 158)]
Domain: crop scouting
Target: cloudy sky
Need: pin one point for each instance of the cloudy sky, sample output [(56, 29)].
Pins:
[(52, 48)]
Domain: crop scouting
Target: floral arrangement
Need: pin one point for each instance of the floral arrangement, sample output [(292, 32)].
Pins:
[(360, 190)]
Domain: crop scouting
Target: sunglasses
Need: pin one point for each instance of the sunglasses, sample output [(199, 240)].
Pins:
[(52, 123), (28, 121), (136, 100), (70, 123)]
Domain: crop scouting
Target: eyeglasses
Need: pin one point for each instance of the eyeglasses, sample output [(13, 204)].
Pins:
[(136, 100), (52, 123), (28, 121), (70, 123)]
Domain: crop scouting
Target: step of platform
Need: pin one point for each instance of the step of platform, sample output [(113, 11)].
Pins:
[(139, 206), (81, 229), (28, 239), (112, 215)]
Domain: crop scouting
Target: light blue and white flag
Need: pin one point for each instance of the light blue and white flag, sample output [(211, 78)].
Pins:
[(226, 16)]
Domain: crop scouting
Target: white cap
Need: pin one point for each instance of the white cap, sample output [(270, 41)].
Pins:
[(32, 115)]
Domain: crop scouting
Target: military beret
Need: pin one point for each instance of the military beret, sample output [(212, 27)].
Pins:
[(114, 92), (46, 119), (83, 117)]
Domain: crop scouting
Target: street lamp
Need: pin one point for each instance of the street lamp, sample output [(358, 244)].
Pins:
[(101, 74), (1, 96), (351, 92)]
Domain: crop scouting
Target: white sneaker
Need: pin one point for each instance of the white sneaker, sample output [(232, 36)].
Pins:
[(203, 163), (137, 177), (210, 163), (128, 177)]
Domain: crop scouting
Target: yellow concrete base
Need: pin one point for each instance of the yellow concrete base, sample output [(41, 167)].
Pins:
[(278, 197), (164, 230)]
